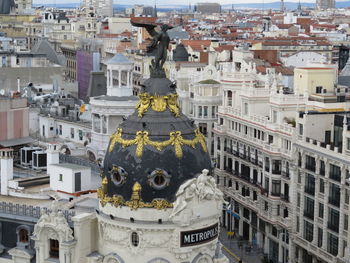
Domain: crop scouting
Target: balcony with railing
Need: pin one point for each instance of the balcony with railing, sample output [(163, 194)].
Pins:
[(244, 177)]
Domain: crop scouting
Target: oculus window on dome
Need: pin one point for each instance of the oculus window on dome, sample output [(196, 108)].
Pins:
[(159, 179), (118, 175)]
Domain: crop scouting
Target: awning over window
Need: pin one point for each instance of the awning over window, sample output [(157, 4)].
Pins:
[(233, 214)]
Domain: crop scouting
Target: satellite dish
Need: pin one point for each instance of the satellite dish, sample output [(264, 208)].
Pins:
[(2, 92)]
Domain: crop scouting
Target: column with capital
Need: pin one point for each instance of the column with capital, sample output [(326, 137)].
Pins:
[(119, 78), (325, 216), (222, 153), (128, 78), (240, 229), (326, 197), (341, 212), (316, 211)]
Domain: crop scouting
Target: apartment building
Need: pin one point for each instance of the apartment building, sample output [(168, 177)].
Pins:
[(102, 7), (200, 98), (321, 187), (283, 161), (288, 46), (253, 148)]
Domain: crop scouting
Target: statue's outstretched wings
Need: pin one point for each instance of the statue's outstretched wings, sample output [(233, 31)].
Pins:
[(150, 27)]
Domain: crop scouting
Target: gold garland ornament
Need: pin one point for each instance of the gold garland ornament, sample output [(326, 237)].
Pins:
[(142, 139), (158, 103), (135, 200)]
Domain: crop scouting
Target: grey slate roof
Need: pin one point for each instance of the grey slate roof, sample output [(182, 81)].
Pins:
[(119, 59), (44, 47)]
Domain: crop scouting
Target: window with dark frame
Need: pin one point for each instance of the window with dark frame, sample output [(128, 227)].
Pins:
[(23, 236), (54, 248)]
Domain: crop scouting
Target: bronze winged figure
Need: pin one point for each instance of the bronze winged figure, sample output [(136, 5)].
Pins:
[(159, 44)]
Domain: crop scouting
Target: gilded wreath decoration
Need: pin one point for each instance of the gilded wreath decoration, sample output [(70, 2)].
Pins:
[(135, 201), (142, 139), (158, 103)]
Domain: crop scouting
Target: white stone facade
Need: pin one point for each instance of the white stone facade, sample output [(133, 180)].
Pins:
[(199, 99), (253, 148), (123, 235), (321, 192)]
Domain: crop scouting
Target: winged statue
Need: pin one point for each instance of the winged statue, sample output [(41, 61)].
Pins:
[(159, 44)]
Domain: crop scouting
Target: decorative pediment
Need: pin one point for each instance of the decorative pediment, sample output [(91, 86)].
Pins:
[(53, 226)]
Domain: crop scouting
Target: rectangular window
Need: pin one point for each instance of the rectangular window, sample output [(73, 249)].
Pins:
[(205, 111), (310, 184), (301, 129), (246, 213), (245, 110), (274, 231), (60, 129), (80, 135), (309, 205), (276, 166), (333, 219), (332, 244), (322, 168), (60, 177), (334, 194), (322, 186), (334, 172), (308, 231), (346, 222), (213, 111), (320, 210), (298, 224), (72, 133), (298, 200), (310, 163), (200, 111), (270, 139), (348, 144), (229, 98), (54, 248), (320, 237), (276, 188)]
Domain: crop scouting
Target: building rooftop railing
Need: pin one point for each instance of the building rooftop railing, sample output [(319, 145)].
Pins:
[(31, 212)]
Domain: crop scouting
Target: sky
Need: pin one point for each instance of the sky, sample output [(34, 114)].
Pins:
[(169, 2)]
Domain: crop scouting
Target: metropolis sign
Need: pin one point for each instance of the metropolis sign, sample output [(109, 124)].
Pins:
[(199, 236)]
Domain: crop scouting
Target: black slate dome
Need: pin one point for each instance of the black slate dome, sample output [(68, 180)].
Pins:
[(157, 148), (180, 53)]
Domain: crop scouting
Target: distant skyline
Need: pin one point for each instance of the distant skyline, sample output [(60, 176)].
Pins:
[(167, 2)]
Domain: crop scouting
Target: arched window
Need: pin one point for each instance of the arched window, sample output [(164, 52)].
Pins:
[(23, 235)]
